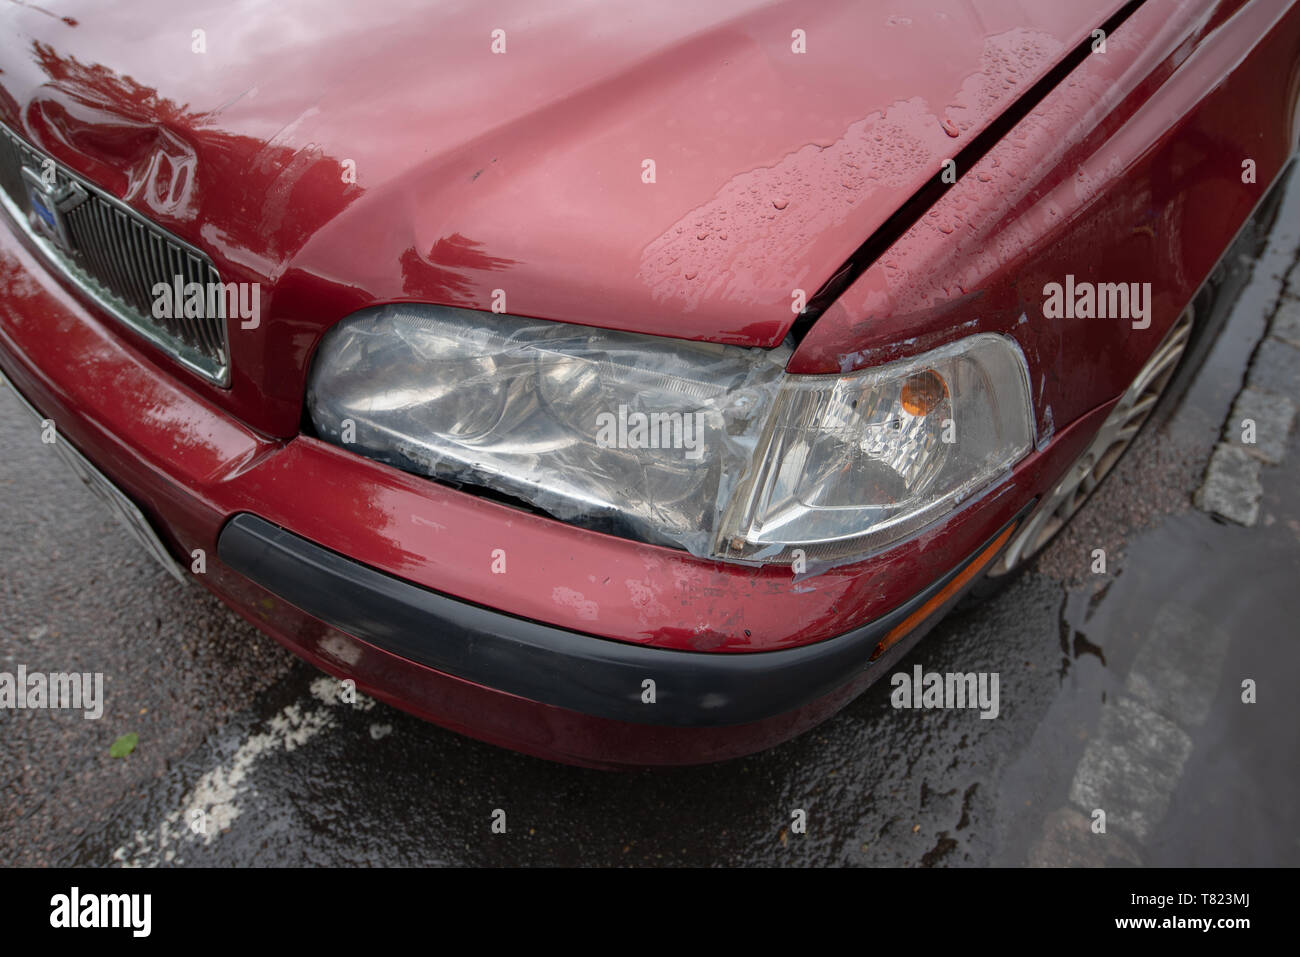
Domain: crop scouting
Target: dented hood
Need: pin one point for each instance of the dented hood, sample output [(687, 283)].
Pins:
[(674, 168)]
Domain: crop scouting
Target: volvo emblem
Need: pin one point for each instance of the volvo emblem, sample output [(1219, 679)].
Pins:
[(49, 202)]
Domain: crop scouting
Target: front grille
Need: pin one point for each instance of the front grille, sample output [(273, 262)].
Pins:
[(117, 256)]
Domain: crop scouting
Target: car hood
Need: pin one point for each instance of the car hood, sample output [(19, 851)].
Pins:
[(681, 169)]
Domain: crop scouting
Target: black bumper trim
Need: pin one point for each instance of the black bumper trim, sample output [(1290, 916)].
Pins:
[(583, 673)]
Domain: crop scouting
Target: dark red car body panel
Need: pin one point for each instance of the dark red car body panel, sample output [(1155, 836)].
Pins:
[(523, 172)]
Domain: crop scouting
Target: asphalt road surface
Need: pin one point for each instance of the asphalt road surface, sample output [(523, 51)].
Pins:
[(1119, 691)]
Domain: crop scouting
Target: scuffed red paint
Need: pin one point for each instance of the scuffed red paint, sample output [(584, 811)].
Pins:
[(576, 602)]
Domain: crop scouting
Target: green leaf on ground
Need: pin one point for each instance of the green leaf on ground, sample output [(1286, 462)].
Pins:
[(124, 745)]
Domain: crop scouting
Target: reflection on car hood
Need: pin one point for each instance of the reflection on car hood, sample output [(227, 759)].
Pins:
[(679, 169)]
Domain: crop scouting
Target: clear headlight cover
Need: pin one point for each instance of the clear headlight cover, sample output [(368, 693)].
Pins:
[(849, 464), (634, 435), (706, 447)]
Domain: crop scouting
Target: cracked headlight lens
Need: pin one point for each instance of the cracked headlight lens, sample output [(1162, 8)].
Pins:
[(706, 447)]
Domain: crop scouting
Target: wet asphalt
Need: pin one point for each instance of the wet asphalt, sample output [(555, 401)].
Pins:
[(1119, 691)]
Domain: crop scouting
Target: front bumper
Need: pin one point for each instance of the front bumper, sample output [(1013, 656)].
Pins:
[(549, 658), (588, 675)]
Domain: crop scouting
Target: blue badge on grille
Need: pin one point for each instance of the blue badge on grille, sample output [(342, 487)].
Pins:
[(48, 202)]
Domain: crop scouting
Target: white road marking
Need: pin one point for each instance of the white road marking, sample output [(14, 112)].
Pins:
[(214, 798)]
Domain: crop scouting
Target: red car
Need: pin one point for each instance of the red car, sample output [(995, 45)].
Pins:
[(624, 384)]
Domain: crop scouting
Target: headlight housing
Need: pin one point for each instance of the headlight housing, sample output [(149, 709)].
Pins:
[(711, 448), (849, 464)]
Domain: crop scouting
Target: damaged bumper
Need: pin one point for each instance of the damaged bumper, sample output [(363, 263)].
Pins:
[(607, 679)]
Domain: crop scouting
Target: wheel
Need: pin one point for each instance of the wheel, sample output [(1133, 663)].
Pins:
[(1097, 460)]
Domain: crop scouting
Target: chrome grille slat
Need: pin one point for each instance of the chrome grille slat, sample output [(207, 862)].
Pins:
[(196, 270), (81, 235), (210, 276), (126, 289), (133, 231), (185, 321), (100, 240), (140, 263), (158, 268), (95, 244), (122, 239), (117, 256), (113, 223), (94, 252), (140, 250), (103, 217)]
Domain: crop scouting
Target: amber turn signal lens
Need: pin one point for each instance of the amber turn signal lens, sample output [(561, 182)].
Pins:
[(966, 574), (923, 392)]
